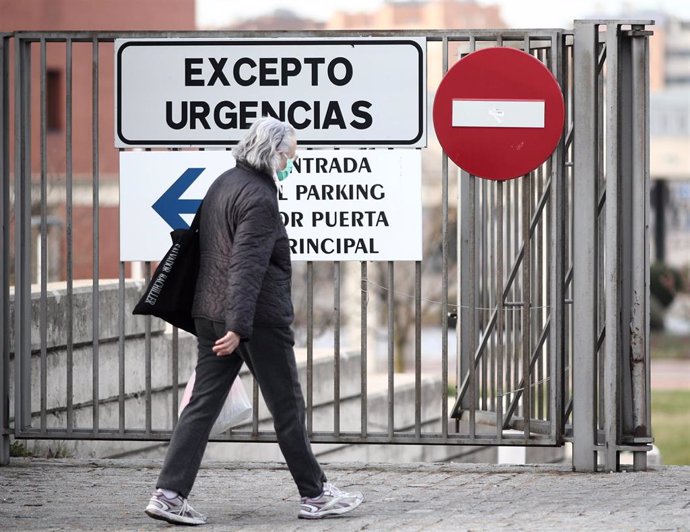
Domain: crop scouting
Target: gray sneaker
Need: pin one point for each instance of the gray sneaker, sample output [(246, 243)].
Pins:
[(176, 510), (331, 503)]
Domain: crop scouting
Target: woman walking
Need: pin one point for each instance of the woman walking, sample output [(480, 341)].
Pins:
[(242, 312)]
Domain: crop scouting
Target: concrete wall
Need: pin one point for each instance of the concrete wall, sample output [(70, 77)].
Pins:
[(49, 371)]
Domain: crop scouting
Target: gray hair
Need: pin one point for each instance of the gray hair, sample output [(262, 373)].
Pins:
[(261, 147)]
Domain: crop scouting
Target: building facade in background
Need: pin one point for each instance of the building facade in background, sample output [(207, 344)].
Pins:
[(82, 15), (670, 139), (432, 14), (674, 48)]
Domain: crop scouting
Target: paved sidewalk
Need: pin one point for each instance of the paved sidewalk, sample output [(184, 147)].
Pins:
[(50, 494)]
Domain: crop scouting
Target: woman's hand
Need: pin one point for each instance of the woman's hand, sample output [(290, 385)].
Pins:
[(227, 344)]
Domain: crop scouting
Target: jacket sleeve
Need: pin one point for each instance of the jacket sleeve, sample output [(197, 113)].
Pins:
[(253, 241)]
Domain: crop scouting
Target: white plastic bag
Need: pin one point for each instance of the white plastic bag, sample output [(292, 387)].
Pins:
[(236, 409)]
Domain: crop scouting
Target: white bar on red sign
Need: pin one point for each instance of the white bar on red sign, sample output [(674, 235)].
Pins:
[(498, 113)]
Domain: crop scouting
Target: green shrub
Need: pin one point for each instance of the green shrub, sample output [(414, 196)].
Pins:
[(664, 283)]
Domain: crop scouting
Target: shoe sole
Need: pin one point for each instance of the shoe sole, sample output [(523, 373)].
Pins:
[(162, 516), (330, 513)]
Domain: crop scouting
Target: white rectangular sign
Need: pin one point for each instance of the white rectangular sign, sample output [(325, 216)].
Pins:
[(354, 205), (335, 91), (498, 113), (336, 204)]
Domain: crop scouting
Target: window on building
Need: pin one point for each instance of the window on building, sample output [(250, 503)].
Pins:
[(54, 99)]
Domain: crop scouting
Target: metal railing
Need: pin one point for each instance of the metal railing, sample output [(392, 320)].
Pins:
[(526, 372)]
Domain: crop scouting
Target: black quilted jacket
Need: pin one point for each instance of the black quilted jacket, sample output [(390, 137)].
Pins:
[(245, 272)]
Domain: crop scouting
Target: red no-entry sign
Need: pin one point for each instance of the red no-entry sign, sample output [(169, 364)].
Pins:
[(498, 113)]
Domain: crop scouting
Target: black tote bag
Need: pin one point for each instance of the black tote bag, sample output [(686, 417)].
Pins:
[(170, 293)]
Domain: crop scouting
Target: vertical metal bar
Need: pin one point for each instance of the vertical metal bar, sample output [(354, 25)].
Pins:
[(364, 299), (96, 227), (465, 354), (497, 261), (612, 274), (625, 259), (549, 384), (391, 349), (533, 282), (484, 296), (474, 329), (336, 349), (500, 316), (549, 177), (600, 244), (584, 241), (640, 182), (310, 346), (147, 356), (526, 307), (255, 407), (544, 382), (534, 293), (471, 279), (418, 348), (466, 313), (527, 269), (509, 349), (517, 285), (121, 352), (444, 275), (4, 260), (496, 290), (43, 266), (563, 180), (69, 235), (22, 298), (556, 262), (625, 236), (175, 371), (479, 285), (634, 397), (491, 292), (462, 357), (567, 359), (540, 297), (539, 230)]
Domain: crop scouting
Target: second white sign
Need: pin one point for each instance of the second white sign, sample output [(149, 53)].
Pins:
[(336, 205)]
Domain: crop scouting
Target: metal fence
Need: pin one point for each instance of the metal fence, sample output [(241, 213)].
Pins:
[(547, 275)]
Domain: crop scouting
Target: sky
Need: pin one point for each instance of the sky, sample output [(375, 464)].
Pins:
[(516, 13)]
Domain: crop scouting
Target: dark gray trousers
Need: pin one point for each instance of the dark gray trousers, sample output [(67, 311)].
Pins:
[(270, 357)]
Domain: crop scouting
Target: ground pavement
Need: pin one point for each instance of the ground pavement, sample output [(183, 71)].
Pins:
[(51, 494)]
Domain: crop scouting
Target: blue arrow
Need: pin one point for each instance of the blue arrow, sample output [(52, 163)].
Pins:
[(169, 206)]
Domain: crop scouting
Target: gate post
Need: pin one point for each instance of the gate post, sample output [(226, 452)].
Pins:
[(613, 276), (4, 245), (635, 357), (611, 401), (584, 244)]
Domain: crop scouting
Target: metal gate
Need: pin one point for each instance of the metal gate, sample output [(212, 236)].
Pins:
[(542, 281)]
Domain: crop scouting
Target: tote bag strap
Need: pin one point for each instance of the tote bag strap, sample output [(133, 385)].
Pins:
[(197, 219)]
